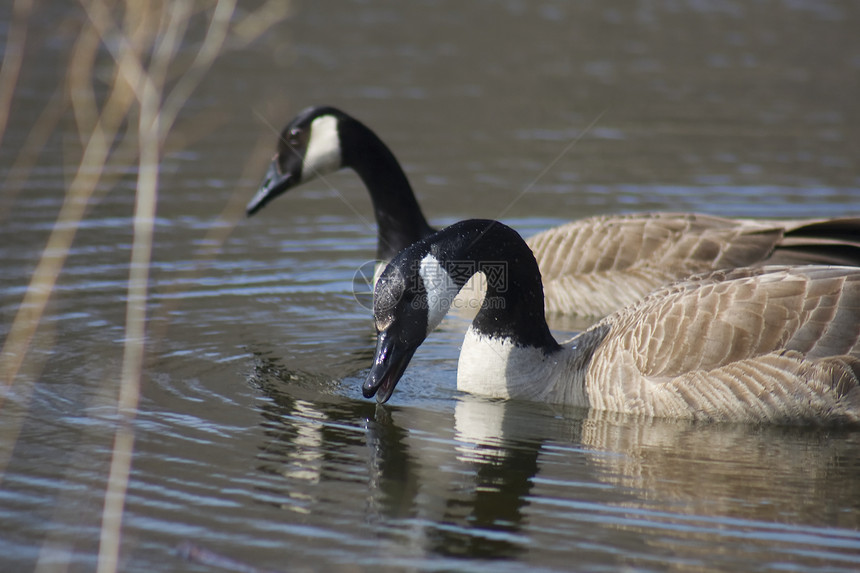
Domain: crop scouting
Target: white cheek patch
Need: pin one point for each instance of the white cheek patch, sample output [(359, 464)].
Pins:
[(441, 290), (323, 153)]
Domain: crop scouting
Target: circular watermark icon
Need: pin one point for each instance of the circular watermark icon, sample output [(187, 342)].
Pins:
[(362, 283)]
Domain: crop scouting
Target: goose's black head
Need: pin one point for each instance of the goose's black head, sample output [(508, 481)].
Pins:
[(321, 140), (419, 286), (309, 146), (400, 315)]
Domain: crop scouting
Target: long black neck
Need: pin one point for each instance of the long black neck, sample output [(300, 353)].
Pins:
[(399, 218), (513, 306)]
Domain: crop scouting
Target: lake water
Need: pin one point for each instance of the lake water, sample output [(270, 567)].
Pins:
[(254, 449)]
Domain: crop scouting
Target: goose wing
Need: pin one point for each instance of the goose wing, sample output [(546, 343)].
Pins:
[(600, 264), (824, 241), (745, 344), (597, 265)]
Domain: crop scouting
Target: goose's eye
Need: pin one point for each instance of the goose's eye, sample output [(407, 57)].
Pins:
[(293, 137)]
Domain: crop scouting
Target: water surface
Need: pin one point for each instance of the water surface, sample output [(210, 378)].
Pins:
[(253, 441)]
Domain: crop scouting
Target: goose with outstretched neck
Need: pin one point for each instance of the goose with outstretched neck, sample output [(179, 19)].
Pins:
[(757, 344), (590, 266)]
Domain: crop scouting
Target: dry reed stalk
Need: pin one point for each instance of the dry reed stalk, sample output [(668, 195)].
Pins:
[(37, 137), (225, 222), (144, 48), (96, 149), (13, 56), (156, 116)]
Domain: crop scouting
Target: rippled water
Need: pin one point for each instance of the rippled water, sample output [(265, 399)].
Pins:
[(253, 446)]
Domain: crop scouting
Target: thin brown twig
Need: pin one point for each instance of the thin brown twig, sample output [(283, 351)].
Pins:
[(156, 118), (13, 56), (26, 159), (53, 257), (145, 48), (79, 82), (213, 241), (148, 96)]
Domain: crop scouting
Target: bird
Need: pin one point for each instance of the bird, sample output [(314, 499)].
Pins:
[(590, 266), (765, 344)]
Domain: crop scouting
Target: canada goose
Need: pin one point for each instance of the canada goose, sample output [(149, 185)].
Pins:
[(769, 343), (590, 267)]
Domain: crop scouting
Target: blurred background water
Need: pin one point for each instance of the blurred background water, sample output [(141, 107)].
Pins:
[(253, 440)]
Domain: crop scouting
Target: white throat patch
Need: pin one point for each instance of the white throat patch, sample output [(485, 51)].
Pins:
[(323, 153), (441, 290), (498, 368)]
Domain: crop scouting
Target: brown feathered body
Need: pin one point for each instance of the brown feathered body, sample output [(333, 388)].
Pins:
[(594, 266), (776, 344)]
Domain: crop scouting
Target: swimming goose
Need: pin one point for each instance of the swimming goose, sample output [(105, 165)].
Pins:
[(754, 344), (590, 267)]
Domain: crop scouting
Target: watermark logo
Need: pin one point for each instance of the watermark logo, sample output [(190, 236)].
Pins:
[(484, 275), (496, 273), (363, 283)]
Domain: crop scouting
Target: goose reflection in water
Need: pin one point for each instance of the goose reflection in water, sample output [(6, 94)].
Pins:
[(503, 479), (431, 490)]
